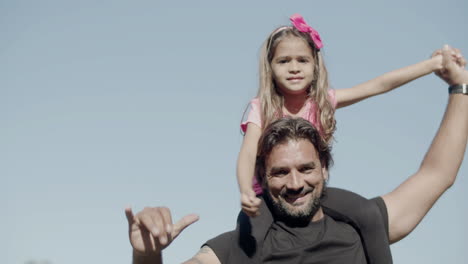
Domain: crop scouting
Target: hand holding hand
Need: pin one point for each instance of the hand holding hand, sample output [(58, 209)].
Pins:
[(453, 63), (250, 203), (455, 54), (152, 230)]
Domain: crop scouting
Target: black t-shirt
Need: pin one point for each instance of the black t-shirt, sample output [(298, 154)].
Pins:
[(267, 241), (324, 241)]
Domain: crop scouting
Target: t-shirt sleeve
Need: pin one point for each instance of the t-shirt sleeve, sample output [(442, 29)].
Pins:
[(221, 245), (368, 217), (254, 115), (332, 97), (342, 205), (383, 210)]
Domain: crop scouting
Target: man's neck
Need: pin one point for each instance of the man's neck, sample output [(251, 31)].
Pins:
[(318, 215)]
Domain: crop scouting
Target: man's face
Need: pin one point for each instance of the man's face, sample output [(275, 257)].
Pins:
[(295, 180)]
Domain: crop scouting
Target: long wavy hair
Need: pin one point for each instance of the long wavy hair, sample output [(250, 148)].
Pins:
[(271, 100)]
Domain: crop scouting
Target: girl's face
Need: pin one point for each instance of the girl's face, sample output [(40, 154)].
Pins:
[(293, 66)]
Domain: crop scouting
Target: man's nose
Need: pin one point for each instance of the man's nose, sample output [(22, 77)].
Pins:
[(295, 181)]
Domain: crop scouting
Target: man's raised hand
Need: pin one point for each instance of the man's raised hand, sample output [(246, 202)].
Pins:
[(453, 64), (151, 230)]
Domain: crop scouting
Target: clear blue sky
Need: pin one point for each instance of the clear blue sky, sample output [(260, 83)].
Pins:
[(105, 104)]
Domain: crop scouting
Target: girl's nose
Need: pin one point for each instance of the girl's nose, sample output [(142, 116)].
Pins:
[(294, 67)]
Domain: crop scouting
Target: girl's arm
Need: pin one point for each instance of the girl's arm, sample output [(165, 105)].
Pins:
[(387, 82), (246, 169)]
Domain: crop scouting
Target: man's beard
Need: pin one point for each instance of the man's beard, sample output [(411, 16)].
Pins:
[(285, 212)]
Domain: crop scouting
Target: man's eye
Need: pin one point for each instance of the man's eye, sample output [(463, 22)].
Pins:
[(307, 169), (280, 173)]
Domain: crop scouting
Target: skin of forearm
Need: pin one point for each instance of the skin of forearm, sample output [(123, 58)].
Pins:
[(247, 157), (409, 203), (397, 78), (387, 82), (152, 259), (447, 150), (245, 171)]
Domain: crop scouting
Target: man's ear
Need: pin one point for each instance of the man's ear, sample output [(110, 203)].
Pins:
[(325, 174)]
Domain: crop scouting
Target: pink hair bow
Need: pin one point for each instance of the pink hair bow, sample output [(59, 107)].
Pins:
[(300, 24)]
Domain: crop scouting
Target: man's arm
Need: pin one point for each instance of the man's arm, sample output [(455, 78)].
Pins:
[(204, 256), (410, 201)]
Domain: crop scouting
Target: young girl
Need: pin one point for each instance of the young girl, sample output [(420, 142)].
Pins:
[(294, 82)]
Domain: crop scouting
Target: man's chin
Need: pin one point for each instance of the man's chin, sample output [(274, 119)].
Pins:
[(303, 209), (298, 213)]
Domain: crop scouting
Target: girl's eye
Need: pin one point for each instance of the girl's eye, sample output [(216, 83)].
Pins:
[(303, 60), (282, 61)]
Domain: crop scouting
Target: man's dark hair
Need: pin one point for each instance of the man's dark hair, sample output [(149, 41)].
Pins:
[(284, 130)]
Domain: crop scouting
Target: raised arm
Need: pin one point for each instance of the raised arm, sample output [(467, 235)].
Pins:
[(409, 202), (245, 170), (387, 82), (151, 231)]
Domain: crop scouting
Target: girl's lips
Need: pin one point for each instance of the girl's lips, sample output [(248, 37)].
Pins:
[(295, 80)]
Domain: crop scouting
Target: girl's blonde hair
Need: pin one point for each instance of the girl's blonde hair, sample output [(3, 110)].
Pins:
[(271, 101)]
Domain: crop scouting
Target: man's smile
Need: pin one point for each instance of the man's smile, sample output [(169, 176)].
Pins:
[(297, 199)]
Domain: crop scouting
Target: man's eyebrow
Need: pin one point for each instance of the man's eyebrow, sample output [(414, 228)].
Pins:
[(309, 164), (280, 168), (277, 169)]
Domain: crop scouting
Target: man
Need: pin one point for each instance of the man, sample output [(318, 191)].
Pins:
[(293, 168)]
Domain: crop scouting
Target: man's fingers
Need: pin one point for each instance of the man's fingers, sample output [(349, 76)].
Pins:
[(147, 220), (462, 61), (153, 227), (164, 220), (451, 72), (447, 61), (187, 220), (166, 214), (129, 215)]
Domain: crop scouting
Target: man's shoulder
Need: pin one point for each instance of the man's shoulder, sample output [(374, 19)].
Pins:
[(222, 245), (222, 239)]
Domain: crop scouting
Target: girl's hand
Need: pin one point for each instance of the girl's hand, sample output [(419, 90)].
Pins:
[(250, 203)]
